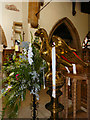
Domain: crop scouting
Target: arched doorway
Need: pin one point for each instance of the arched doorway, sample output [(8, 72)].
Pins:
[(65, 29)]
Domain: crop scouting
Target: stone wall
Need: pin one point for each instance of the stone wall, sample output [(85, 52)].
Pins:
[(0, 79)]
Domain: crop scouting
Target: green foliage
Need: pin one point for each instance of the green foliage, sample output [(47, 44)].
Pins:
[(20, 77)]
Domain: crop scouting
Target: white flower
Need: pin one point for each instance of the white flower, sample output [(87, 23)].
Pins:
[(30, 48), (34, 73), (11, 74), (9, 87), (25, 51), (30, 61), (30, 54), (37, 96), (32, 92)]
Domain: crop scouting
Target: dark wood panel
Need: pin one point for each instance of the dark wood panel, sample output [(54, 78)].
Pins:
[(86, 54), (8, 52), (84, 91)]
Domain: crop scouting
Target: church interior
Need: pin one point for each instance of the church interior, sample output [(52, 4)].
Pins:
[(60, 31)]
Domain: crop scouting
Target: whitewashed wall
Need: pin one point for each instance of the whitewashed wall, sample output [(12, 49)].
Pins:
[(55, 11), (8, 16), (48, 17), (25, 19)]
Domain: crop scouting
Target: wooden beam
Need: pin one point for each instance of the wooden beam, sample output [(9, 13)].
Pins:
[(77, 76), (33, 8)]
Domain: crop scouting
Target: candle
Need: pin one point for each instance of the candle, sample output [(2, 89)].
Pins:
[(43, 77), (53, 72), (74, 68), (16, 47)]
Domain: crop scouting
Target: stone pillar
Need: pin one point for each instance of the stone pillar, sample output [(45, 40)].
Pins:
[(25, 19)]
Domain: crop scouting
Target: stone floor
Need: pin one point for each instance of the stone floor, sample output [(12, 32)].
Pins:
[(80, 114), (42, 111), (25, 111)]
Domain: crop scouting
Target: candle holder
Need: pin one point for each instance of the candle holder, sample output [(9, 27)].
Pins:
[(54, 106), (46, 52), (34, 107)]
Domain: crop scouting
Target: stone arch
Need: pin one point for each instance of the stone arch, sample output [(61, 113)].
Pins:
[(3, 40), (71, 33)]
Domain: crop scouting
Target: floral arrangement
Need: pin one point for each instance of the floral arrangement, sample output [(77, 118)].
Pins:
[(22, 73)]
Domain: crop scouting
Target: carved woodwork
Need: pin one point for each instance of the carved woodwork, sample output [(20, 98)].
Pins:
[(84, 88), (76, 94)]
